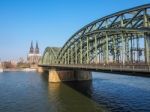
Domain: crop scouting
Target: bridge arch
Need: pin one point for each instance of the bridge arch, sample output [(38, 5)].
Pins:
[(120, 38), (50, 55)]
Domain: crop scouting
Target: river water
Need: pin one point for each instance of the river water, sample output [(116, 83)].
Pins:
[(31, 92)]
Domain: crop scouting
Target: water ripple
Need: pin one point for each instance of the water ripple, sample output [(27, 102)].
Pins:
[(31, 92)]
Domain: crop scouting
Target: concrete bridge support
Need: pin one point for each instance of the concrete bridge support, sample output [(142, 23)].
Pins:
[(81, 75), (68, 75)]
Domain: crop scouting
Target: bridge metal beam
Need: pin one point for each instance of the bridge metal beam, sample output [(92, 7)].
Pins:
[(122, 38)]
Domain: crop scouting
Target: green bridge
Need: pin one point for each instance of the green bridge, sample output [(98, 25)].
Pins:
[(117, 42)]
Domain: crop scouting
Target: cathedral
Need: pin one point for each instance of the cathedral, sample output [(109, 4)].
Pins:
[(34, 55)]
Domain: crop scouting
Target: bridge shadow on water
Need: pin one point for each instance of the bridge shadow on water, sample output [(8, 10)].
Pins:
[(72, 96), (84, 87), (109, 92)]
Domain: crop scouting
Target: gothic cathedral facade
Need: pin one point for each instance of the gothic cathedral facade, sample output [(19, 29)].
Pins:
[(33, 55)]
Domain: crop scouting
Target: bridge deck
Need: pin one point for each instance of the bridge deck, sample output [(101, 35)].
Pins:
[(98, 67)]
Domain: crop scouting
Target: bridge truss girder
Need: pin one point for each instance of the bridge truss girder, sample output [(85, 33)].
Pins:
[(111, 39), (119, 38), (50, 55)]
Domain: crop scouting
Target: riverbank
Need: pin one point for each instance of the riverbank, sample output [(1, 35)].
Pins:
[(1, 70), (20, 69)]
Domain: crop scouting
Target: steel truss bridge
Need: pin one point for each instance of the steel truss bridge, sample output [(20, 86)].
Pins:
[(120, 41)]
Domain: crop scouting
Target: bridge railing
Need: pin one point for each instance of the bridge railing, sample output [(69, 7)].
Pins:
[(127, 68)]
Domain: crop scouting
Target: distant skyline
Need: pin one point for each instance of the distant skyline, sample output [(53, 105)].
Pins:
[(49, 22)]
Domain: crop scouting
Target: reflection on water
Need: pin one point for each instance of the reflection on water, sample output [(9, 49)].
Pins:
[(67, 99), (31, 92)]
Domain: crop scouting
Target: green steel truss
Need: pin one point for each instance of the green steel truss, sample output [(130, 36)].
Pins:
[(50, 55), (119, 38)]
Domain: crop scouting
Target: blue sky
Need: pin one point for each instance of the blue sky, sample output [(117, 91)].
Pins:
[(50, 22)]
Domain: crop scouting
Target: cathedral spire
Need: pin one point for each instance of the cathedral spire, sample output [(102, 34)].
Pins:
[(31, 48), (37, 48), (37, 45)]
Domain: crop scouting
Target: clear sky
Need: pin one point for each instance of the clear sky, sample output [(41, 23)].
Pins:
[(50, 22)]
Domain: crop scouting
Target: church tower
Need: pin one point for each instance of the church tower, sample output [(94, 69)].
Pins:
[(31, 48), (37, 49), (34, 55)]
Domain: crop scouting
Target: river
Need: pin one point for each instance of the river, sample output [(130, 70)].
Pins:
[(31, 92)]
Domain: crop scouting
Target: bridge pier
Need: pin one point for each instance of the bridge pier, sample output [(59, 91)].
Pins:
[(68, 75), (81, 75)]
